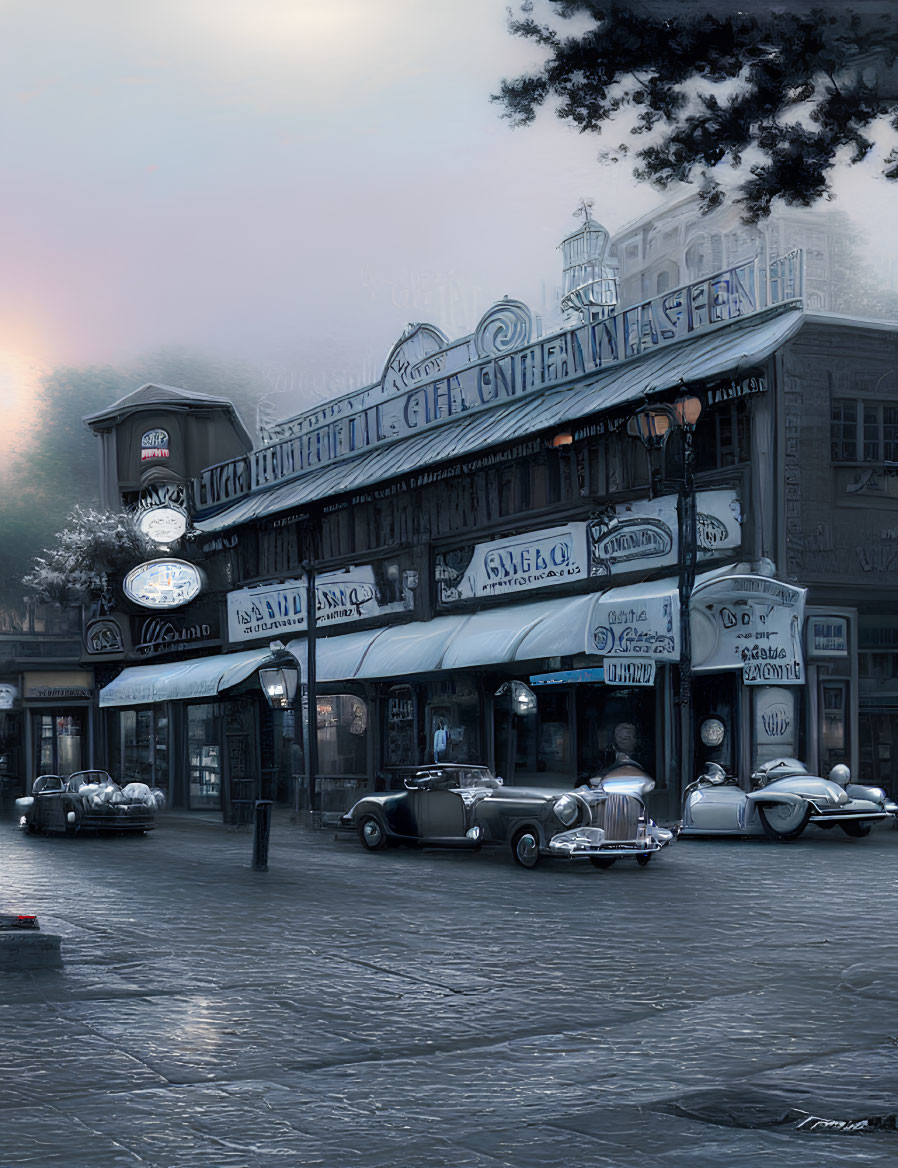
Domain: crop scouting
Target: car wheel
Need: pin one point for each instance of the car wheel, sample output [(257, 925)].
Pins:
[(856, 829), (371, 833), (643, 860), (784, 821), (601, 861), (525, 848)]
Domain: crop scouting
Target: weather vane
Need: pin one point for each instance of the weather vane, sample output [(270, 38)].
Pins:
[(584, 208)]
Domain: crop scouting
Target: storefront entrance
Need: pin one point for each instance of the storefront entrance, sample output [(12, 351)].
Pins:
[(59, 740)]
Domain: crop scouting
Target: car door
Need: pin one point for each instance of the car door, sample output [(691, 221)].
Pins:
[(441, 815)]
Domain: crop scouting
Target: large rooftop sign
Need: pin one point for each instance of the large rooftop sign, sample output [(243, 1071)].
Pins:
[(428, 380)]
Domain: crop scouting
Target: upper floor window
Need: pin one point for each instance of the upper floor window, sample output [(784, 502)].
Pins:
[(863, 431)]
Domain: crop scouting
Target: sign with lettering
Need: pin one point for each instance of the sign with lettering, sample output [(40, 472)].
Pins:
[(163, 525), (827, 636), (644, 534), (425, 388), (630, 671), (153, 635), (752, 623), (340, 597), (636, 627), (154, 445), (58, 685), (535, 559)]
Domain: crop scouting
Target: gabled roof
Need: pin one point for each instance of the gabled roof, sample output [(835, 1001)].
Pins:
[(150, 396)]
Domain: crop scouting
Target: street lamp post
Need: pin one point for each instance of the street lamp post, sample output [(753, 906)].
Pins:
[(653, 424), (311, 689)]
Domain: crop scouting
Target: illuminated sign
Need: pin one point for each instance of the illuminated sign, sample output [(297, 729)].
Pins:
[(162, 524), (154, 445), (163, 583)]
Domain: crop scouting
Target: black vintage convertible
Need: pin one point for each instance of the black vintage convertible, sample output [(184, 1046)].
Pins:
[(88, 800), (462, 806)]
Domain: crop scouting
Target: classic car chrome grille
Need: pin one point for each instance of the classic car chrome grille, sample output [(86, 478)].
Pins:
[(619, 816)]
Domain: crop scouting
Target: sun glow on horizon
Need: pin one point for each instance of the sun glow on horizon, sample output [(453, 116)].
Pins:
[(19, 378)]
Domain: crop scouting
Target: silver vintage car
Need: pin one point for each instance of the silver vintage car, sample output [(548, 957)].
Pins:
[(462, 806)]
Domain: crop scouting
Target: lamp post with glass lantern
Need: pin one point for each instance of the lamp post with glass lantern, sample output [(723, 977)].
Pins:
[(279, 682), (653, 424)]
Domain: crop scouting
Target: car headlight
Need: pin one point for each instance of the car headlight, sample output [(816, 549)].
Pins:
[(567, 809)]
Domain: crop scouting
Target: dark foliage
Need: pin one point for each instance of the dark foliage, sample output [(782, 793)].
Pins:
[(808, 86)]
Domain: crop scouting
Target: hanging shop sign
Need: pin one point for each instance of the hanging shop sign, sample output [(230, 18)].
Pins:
[(340, 597), (154, 445), (163, 583), (827, 636), (536, 559), (8, 696), (636, 627), (752, 623), (630, 537), (633, 671), (568, 677), (163, 525), (62, 685)]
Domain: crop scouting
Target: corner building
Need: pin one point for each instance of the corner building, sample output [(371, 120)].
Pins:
[(486, 512)]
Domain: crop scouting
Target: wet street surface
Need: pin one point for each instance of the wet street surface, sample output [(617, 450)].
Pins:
[(423, 1009)]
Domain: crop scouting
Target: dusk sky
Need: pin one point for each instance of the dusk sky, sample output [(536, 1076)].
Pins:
[(283, 181)]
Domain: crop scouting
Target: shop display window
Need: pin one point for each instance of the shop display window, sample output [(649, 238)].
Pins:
[(452, 721), (342, 735), (614, 722), (58, 742), (139, 746), (400, 746), (203, 756), (537, 747)]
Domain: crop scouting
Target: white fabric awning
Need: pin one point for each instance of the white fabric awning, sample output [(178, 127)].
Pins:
[(201, 677), (515, 632)]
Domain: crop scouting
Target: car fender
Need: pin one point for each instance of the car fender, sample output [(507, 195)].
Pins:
[(24, 804), (768, 796), (518, 823)]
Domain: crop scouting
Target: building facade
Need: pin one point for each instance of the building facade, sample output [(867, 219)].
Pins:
[(488, 512)]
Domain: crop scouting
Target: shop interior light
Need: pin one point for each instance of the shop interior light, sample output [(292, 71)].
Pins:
[(523, 699), (563, 439), (279, 685)]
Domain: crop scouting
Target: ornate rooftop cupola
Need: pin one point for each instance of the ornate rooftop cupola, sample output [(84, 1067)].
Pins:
[(589, 280)]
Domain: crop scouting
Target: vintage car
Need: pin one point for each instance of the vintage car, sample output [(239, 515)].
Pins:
[(88, 800), (783, 800), (461, 806)]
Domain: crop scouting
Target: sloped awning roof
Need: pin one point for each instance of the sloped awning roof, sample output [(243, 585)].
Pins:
[(201, 677), (515, 632), (731, 349)]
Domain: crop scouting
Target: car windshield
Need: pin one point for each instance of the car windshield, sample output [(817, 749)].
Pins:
[(475, 777)]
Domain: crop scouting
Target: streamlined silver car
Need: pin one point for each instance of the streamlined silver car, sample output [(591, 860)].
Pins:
[(460, 806)]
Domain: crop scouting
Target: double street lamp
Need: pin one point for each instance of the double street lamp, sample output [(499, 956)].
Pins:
[(654, 424)]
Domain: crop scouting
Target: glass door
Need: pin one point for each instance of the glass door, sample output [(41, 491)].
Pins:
[(58, 738), (204, 757)]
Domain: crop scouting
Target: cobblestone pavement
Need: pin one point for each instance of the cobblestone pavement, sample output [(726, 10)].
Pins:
[(420, 1009)]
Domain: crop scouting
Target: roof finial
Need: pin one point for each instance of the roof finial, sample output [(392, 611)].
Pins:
[(586, 205)]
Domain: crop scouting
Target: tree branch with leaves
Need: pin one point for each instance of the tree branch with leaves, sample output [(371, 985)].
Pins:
[(781, 97)]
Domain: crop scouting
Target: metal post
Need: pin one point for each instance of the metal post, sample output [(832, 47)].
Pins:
[(261, 834), (686, 515), (311, 692)]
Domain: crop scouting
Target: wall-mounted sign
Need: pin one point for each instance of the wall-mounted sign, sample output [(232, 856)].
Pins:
[(171, 634), (536, 559), (163, 583), (341, 597), (8, 695), (568, 677), (58, 685), (752, 623), (827, 636), (154, 445), (163, 525), (104, 636), (644, 534), (630, 671)]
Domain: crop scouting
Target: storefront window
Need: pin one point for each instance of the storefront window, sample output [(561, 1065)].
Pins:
[(536, 747), (612, 723), (342, 735), (400, 748), (204, 757), (714, 715), (58, 739), (452, 721), (139, 748)]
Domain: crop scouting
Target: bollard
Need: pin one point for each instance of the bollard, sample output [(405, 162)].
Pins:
[(261, 832)]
